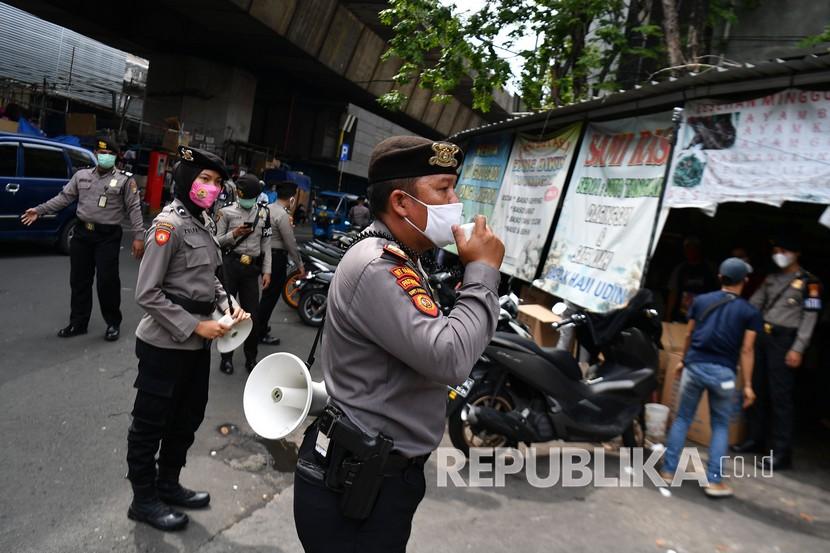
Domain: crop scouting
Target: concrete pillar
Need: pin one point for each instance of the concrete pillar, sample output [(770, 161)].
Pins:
[(213, 101)]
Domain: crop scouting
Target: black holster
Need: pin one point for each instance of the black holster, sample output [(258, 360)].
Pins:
[(354, 462)]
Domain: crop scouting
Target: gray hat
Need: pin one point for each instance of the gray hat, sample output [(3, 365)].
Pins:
[(734, 269)]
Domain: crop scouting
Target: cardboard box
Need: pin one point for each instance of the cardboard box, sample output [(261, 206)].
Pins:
[(539, 319), (674, 336), (81, 124), (531, 295), (7, 125), (700, 430), (173, 139)]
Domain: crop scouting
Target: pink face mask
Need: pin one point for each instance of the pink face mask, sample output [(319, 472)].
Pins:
[(203, 194)]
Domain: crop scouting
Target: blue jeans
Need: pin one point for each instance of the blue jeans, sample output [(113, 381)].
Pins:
[(720, 382)]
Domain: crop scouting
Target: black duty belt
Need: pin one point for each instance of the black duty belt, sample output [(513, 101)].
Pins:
[(397, 463), (99, 227), (191, 306), (777, 330), (244, 258)]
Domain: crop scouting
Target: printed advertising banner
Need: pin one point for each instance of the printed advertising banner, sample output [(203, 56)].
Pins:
[(484, 163), (529, 195), (768, 150), (598, 252)]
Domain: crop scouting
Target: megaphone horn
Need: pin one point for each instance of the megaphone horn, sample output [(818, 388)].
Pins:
[(236, 336), (280, 394)]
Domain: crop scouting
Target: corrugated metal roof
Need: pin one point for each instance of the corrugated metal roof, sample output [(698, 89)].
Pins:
[(798, 72)]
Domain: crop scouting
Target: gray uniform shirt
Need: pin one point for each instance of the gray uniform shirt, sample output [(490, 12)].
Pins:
[(256, 243), (359, 215), (102, 199), (283, 236), (788, 310), (180, 257), (388, 353)]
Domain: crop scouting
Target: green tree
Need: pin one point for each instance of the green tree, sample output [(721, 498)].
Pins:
[(579, 44)]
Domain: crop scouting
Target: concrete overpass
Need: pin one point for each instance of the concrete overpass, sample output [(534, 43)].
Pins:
[(287, 65)]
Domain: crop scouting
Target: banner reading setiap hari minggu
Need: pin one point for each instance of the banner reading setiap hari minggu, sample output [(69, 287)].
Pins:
[(482, 173), (529, 196), (767, 150), (599, 248)]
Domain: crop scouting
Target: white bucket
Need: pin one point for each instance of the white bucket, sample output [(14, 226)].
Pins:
[(657, 417)]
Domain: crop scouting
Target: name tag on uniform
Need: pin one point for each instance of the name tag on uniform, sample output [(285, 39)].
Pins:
[(113, 183), (322, 444), (102, 201)]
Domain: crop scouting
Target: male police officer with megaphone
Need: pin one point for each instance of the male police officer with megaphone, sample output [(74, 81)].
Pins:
[(388, 353)]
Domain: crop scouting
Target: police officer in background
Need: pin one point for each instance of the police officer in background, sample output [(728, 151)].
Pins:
[(104, 195), (178, 289), (388, 354), (283, 245), (244, 232), (789, 302)]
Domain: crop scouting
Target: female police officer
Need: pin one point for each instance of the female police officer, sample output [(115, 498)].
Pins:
[(178, 289)]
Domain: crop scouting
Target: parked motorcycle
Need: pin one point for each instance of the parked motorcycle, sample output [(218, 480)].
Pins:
[(521, 392), (313, 291)]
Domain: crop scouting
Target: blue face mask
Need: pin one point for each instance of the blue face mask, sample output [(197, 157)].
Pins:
[(246, 203), (106, 161)]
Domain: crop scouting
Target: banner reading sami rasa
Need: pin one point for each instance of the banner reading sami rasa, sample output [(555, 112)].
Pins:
[(529, 196), (767, 150), (599, 249)]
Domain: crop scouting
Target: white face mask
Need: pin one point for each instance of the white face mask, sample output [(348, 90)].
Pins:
[(440, 220), (783, 260)]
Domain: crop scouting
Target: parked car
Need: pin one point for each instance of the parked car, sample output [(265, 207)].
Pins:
[(331, 213), (32, 170)]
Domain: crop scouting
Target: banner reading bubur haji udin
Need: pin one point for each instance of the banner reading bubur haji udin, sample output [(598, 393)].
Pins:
[(599, 249), (529, 196)]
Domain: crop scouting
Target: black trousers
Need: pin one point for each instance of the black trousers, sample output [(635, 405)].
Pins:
[(774, 383), (92, 252), (322, 529), (242, 281), (271, 295), (169, 407)]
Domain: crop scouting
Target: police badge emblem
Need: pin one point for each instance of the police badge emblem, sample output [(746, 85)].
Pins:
[(444, 154)]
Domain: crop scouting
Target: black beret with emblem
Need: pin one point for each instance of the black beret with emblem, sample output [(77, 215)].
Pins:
[(104, 142), (203, 160), (401, 157), (248, 186)]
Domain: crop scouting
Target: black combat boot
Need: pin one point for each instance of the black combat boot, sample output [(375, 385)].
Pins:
[(147, 507), (173, 493)]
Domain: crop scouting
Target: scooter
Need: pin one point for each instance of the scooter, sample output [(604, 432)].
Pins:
[(313, 291), (521, 392)]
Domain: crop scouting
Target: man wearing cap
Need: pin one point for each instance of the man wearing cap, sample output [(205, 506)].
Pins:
[(104, 195), (388, 353), (283, 246), (244, 232), (790, 301), (721, 332)]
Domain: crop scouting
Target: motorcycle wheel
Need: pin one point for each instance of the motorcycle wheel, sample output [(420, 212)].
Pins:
[(463, 437), (312, 307), (290, 294)]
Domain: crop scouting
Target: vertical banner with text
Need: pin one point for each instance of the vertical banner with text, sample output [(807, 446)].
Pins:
[(529, 196), (600, 246), (482, 173)]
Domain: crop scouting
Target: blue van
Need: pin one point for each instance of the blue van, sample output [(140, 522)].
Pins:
[(331, 213), (32, 170)]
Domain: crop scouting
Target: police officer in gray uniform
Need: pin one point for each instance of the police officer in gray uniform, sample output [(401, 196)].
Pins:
[(789, 301), (283, 246), (244, 232), (178, 289), (104, 194), (388, 354)]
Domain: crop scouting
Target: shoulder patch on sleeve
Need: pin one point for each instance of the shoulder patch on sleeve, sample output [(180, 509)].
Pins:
[(162, 235), (424, 304), (402, 270), (395, 251), (133, 187)]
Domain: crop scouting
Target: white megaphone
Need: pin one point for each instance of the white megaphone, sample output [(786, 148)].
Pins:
[(280, 394), (236, 336)]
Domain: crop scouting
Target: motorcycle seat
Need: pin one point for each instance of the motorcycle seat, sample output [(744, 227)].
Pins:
[(638, 381), (561, 359)]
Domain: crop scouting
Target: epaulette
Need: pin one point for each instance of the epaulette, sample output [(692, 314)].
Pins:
[(127, 173)]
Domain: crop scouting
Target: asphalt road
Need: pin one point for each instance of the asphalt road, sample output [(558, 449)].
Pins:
[(66, 407)]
